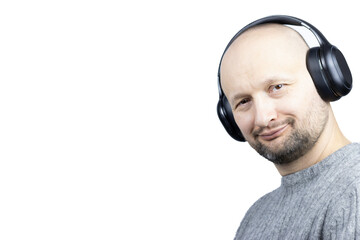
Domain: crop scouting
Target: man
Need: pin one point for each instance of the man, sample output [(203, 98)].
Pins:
[(276, 106)]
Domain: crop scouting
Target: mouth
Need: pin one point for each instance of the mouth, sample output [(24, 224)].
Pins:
[(273, 134)]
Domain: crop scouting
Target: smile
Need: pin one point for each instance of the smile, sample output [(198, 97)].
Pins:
[(272, 134)]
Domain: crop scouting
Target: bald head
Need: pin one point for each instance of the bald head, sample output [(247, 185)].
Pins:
[(273, 47)]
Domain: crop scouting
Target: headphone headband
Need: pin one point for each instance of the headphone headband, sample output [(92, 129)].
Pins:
[(285, 20)]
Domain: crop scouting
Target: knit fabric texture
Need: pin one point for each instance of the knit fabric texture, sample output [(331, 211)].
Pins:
[(320, 202)]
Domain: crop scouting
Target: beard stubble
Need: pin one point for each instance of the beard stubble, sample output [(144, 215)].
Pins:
[(301, 139)]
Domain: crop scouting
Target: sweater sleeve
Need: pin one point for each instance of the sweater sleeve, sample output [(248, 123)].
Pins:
[(342, 219)]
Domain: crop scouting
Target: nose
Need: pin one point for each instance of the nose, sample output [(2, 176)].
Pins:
[(265, 112)]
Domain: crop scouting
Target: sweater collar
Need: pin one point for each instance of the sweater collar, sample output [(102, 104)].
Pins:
[(306, 175)]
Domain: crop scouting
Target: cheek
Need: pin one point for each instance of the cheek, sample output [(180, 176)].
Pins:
[(245, 122), (289, 106), (297, 101), (298, 106)]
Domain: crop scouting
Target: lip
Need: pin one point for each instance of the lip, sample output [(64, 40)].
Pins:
[(271, 135)]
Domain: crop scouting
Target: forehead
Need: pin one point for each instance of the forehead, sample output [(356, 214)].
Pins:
[(261, 53)]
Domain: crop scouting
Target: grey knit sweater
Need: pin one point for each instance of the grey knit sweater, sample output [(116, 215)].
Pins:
[(320, 202)]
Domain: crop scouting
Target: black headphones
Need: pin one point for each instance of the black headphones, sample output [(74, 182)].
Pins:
[(326, 65)]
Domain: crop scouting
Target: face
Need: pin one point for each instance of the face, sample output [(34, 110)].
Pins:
[(274, 101)]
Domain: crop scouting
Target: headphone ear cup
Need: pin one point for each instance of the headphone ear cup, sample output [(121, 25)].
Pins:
[(315, 68), (329, 71), (337, 69), (227, 119)]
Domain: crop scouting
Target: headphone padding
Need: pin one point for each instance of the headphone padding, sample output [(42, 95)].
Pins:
[(338, 70), (227, 119), (315, 68)]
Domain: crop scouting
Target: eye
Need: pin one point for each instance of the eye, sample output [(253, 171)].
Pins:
[(276, 88), (242, 103)]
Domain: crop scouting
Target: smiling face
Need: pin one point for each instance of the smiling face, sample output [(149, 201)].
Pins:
[(274, 101)]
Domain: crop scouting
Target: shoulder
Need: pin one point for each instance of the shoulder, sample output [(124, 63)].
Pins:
[(265, 200), (344, 176), (342, 220), (258, 210)]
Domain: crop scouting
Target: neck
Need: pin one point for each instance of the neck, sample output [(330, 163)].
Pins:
[(330, 141)]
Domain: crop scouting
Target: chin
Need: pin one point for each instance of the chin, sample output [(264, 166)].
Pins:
[(286, 148)]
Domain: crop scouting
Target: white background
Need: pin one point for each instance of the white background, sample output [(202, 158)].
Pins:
[(108, 116)]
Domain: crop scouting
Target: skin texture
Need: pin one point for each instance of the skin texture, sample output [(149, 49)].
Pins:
[(274, 100)]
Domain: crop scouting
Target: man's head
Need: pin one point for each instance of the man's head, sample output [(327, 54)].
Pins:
[(274, 100)]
